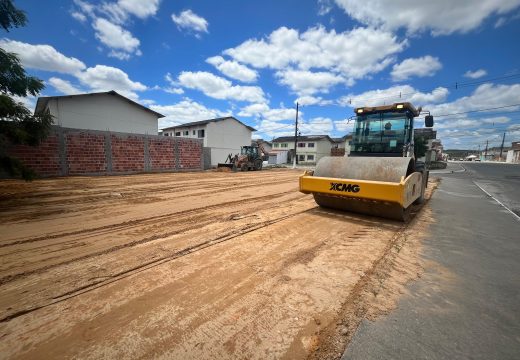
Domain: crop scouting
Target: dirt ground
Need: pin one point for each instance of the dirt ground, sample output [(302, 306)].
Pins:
[(191, 266)]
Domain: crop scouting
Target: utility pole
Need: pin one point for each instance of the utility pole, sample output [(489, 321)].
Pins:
[(485, 154), (502, 147), (295, 160)]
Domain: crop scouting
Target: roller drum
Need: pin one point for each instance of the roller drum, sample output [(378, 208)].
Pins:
[(364, 168), (389, 169)]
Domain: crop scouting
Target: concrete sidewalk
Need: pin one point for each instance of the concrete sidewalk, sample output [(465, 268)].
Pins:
[(467, 303)]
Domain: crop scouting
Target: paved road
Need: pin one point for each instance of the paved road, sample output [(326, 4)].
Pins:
[(500, 180), (467, 303)]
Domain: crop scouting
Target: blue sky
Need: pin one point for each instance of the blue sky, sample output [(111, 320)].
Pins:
[(193, 60)]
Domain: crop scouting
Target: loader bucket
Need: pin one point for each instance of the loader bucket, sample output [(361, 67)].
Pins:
[(377, 186), (225, 165)]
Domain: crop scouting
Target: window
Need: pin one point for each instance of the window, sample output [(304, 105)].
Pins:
[(284, 145), (165, 134), (276, 145), (301, 144), (194, 132), (310, 157), (310, 145), (177, 133), (200, 133), (301, 157), (186, 132), (387, 132)]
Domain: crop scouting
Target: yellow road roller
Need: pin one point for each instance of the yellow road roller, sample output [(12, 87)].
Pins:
[(381, 176)]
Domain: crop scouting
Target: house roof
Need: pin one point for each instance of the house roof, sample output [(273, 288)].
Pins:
[(262, 141), (42, 102), (204, 122), (342, 139), (303, 138)]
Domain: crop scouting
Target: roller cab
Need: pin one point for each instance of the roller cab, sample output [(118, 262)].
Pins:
[(381, 176)]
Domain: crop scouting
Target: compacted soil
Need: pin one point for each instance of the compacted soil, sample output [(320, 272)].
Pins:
[(199, 265)]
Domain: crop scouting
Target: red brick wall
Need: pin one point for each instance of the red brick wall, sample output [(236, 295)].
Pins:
[(44, 159), (162, 154), (127, 153), (85, 153), (190, 154)]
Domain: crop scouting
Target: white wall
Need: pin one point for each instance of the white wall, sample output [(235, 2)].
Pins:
[(323, 149), (279, 158), (224, 137), (190, 130), (102, 112)]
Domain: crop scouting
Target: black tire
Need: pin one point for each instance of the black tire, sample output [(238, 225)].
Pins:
[(421, 167), (244, 167), (258, 164)]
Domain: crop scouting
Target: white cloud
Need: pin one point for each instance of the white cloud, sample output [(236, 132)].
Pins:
[(420, 67), (172, 90), (465, 129), (29, 101), (64, 86), (324, 7), (253, 109), (305, 82), (496, 120), (344, 126), (108, 19), (190, 21), (105, 78), (220, 88), (394, 94), (78, 16), (42, 57), (442, 17), (174, 86), (85, 7), (233, 69), (485, 96), (275, 129), (185, 111), (475, 74), (316, 126), (116, 38), (312, 100), (141, 9), (500, 22), (121, 55), (118, 12), (147, 102), (263, 111), (353, 54)]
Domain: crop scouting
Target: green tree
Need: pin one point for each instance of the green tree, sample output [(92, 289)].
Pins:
[(17, 123)]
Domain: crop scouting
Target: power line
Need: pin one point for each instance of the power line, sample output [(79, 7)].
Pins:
[(479, 110), (455, 86)]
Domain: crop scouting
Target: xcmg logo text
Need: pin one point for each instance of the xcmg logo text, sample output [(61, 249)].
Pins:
[(344, 187)]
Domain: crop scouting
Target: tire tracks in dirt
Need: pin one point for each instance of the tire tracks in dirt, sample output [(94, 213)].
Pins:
[(145, 266)]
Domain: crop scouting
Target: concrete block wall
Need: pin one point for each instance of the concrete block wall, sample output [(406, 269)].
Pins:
[(85, 153), (43, 159), (89, 152), (127, 153), (162, 154)]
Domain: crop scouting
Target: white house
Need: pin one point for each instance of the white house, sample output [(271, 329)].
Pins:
[(223, 136), (513, 155), (100, 111), (311, 148)]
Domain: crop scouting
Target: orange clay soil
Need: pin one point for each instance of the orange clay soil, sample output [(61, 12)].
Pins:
[(198, 265)]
